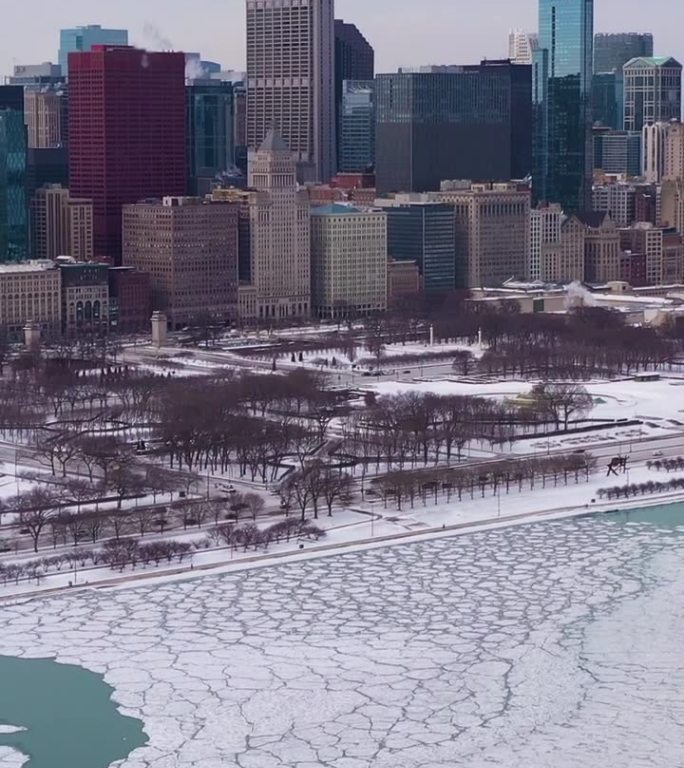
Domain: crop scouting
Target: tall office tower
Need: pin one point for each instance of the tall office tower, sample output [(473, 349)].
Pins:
[(521, 46), (653, 152), (240, 154), (354, 60), (421, 231), (602, 247), (356, 135), (653, 91), (189, 247), (613, 50), (84, 39), (607, 100), (210, 132), (291, 80), (674, 152), (492, 233), (13, 153), (61, 225), (46, 111), (562, 93), (546, 222), (348, 261), (460, 122), (280, 239), (617, 152), (127, 133)]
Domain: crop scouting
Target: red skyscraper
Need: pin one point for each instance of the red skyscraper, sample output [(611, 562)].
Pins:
[(127, 133)]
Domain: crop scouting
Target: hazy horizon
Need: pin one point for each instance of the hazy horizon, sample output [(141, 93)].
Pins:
[(403, 32)]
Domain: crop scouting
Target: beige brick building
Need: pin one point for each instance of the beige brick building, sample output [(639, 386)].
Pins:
[(189, 247), (61, 225), (492, 232), (602, 248), (30, 292), (348, 261), (45, 115), (644, 238), (280, 239)]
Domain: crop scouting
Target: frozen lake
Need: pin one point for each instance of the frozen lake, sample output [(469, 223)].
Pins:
[(553, 644)]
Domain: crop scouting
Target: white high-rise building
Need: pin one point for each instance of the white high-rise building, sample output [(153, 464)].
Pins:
[(674, 152), (653, 152), (280, 244), (291, 80), (521, 46)]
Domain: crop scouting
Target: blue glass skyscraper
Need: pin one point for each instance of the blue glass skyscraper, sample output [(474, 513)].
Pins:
[(563, 68), (13, 149), (84, 38)]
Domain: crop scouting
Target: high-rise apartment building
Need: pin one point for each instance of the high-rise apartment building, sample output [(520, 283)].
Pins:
[(210, 125), (356, 135), (521, 46), (127, 133), (84, 39), (13, 155), (613, 50), (348, 261), (563, 71), (46, 113), (460, 122), (653, 91), (189, 247), (602, 248), (280, 238), (492, 233), (61, 225), (291, 80), (421, 231)]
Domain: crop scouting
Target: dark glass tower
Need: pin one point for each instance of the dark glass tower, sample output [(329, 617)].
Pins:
[(13, 151), (209, 132), (456, 122), (356, 129), (613, 51), (563, 80)]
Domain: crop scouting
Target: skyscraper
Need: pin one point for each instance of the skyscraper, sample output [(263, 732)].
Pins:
[(356, 136), (79, 39), (13, 152), (456, 122), (127, 133), (210, 132), (291, 80), (562, 91), (354, 60), (613, 51), (280, 239), (521, 46), (653, 91)]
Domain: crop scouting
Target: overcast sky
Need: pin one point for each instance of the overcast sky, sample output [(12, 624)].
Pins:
[(403, 32)]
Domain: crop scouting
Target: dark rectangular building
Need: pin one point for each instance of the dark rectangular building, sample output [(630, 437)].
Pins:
[(130, 304), (461, 122), (13, 151), (424, 233), (127, 133)]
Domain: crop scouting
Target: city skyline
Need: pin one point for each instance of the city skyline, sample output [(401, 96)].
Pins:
[(216, 28)]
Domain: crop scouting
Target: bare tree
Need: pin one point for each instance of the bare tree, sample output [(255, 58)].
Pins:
[(255, 504), (36, 508)]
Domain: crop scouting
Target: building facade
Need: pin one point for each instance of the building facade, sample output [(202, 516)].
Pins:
[(280, 238), (545, 236), (563, 70), (492, 233), (653, 91), (613, 50), (356, 127), (30, 291), (645, 239), (85, 298), (13, 181), (621, 200), (673, 161), (291, 80), (189, 248), (84, 39), (127, 133), (617, 152), (602, 248), (46, 112), (348, 261), (130, 303), (210, 125), (61, 225), (470, 122), (423, 233)]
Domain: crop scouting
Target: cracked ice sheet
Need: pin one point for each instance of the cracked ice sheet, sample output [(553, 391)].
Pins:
[(548, 644)]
